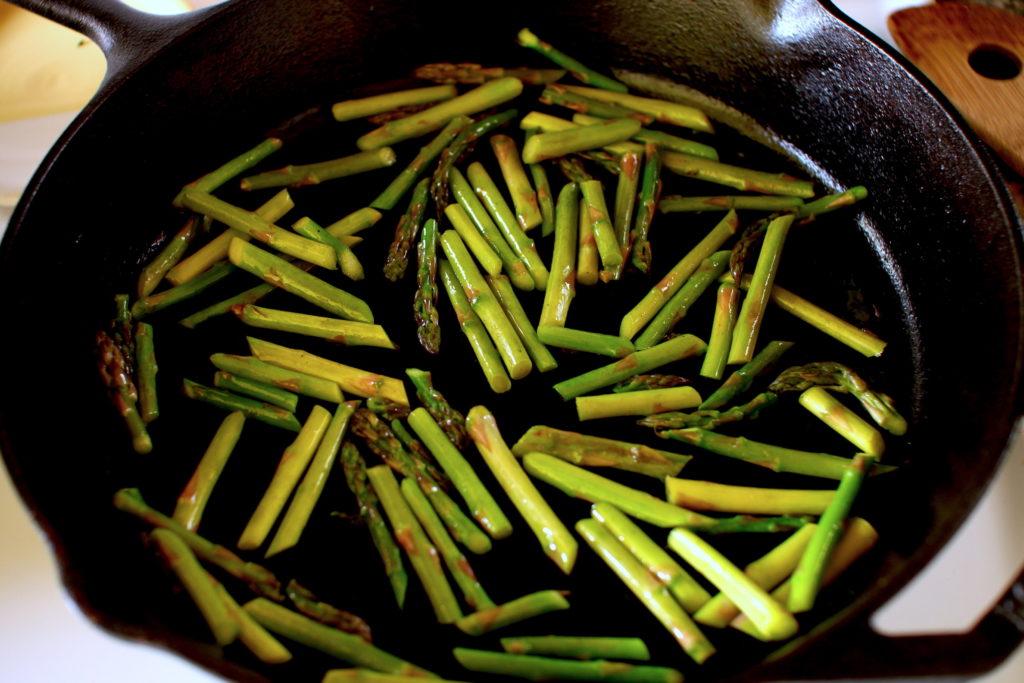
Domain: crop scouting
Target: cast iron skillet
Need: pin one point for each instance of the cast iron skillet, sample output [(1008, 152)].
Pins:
[(934, 257)]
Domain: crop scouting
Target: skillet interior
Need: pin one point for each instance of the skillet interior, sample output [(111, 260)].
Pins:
[(934, 253)]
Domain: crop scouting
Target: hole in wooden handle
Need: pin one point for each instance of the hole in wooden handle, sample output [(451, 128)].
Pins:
[(995, 62)]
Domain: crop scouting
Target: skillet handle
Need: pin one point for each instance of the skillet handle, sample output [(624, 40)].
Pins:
[(127, 37)]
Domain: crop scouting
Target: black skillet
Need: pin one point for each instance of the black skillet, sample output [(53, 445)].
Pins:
[(934, 257)]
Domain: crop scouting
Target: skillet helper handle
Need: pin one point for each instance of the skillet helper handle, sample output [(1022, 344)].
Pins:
[(127, 36)]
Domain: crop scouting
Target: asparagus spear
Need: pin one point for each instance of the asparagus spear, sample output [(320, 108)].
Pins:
[(411, 174), (841, 378), (422, 555), (600, 222), (355, 222), (667, 142), (538, 668), (545, 198), (649, 195), (428, 329), (562, 277), (677, 348), (154, 271), (557, 94), (770, 617), (625, 204), (710, 419), (290, 468), (405, 232), (505, 292), (451, 421), (595, 451), (257, 639), (581, 72), (587, 256), (258, 578), (257, 410), (524, 197), (809, 211), (556, 540), (362, 107), (420, 454), (290, 380), (391, 556), (844, 421), (193, 498), (720, 339), (696, 494), (487, 355), (683, 587), (468, 72), (360, 675), (345, 646), (559, 143), (738, 177), (652, 302), (456, 148), (348, 262), (308, 604), (351, 380), (347, 332), (663, 111), (298, 175), (145, 372), (741, 379), (197, 583), (584, 340), (636, 402), (489, 94), (677, 203), (646, 587), (486, 306), (649, 381), (578, 647), (209, 182), (512, 612), (168, 297), (475, 241), (309, 489)]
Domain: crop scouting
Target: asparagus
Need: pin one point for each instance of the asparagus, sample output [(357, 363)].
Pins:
[(243, 162), (648, 198), (487, 355), (696, 494), (456, 148), (741, 379), (636, 402), (249, 296), (844, 421), (348, 262), (451, 421), (153, 272), (604, 232), (468, 72), (355, 222), (683, 587), (145, 372), (358, 108), (752, 310), (257, 639), (545, 198), (512, 612), (420, 455), (648, 588), (677, 348), (538, 668), (292, 464), (581, 72), (767, 571), (583, 340), (351, 380), (625, 204), (664, 140), (486, 306), (298, 175), (428, 329), (841, 378), (347, 332), (738, 177), (595, 451), (811, 210), (559, 143), (458, 566), (676, 308), (775, 458), (557, 94), (512, 263), (360, 675), (808, 575), (578, 647), (562, 277), (258, 578), (309, 489), (587, 256), (770, 617), (330, 641), (662, 110), (160, 300), (676, 203), (410, 175), (257, 410), (422, 555), (488, 193), (556, 540), (539, 353), (489, 94), (710, 419), (573, 169), (391, 556), (197, 583), (524, 196), (291, 380), (193, 498), (475, 241), (720, 339), (652, 302), (405, 232), (308, 604)]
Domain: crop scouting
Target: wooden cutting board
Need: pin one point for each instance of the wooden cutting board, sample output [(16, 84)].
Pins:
[(974, 54)]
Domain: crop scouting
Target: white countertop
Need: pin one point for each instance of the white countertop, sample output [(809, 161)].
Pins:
[(44, 638)]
